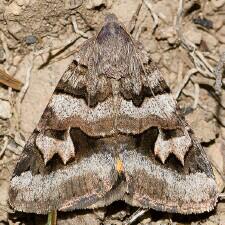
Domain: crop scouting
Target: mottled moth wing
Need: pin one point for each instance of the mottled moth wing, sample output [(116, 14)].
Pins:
[(60, 166), (112, 131)]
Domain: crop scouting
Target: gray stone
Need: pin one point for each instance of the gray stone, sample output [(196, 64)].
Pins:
[(2, 55), (5, 110), (30, 39)]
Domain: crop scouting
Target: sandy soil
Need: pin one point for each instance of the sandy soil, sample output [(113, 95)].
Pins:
[(37, 41)]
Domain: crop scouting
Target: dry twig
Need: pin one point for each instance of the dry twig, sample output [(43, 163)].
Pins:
[(215, 165), (154, 15), (60, 49), (6, 141), (222, 195), (7, 162), (135, 216), (76, 29), (8, 54), (27, 81), (201, 64), (140, 26), (178, 26), (199, 60), (219, 72), (180, 71), (134, 18), (218, 3), (185, 81), (196, 95), (206, 108), (9, 81), (22, 93), (5, 208)]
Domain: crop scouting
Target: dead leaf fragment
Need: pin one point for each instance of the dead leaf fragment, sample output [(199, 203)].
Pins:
[(9, 81)]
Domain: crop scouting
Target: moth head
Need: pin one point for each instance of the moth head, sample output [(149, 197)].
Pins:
[(110, 18), (111, 54), (113, 31)]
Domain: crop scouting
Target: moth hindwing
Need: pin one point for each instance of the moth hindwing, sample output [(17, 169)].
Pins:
[(112, 131)]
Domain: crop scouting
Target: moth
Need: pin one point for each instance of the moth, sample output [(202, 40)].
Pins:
[(112, 131)]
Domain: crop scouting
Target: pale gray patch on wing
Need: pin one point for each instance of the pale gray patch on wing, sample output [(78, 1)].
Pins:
[(32, 191), (77, 113), (65, 106), (162, 106), (179, 146), (175, 187), (49, 146)]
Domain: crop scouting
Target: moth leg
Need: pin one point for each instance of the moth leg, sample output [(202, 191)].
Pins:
[(135, 216), (49, 143), (52, 218), (175, 141)]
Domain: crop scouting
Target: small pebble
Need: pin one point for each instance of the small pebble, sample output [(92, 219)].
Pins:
[(221, 49), (1, 16), (218, 3), (150, 45), (119, 215), (162, 222), (146, 221), (222, 218), (5, 110), (73, 4), (12, 70), (220, 208), (210, 41), (156, 57), (30, 39), (187, 110), (219, 180), (16, 60), (14, 27), (100, 213), (203, 22), (221, 35), (2, 55), (20, 2), (193, 35), (91, 4), (172, 40), (14, 9), (165, 33), (218, 22)]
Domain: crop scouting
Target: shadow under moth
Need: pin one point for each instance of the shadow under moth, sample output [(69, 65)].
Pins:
[(112, 131)]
